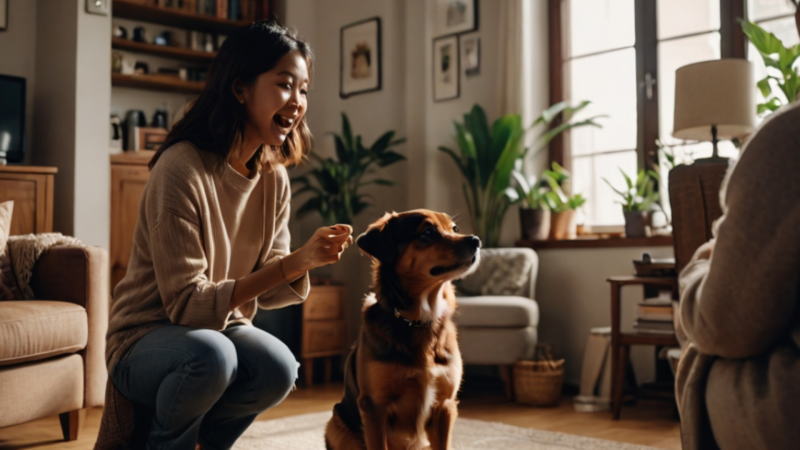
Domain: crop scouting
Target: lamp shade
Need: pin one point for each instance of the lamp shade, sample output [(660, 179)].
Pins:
[(719, 92)]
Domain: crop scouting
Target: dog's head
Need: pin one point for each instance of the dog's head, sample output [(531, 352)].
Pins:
[(421, 247)]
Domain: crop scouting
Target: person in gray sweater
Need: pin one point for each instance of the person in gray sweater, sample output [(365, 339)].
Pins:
[(211, 246), (738, 379)]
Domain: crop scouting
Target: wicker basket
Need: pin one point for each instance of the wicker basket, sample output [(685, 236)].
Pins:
[(538, 382)]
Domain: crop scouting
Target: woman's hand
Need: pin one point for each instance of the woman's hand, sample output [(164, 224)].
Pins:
[(323, 248)]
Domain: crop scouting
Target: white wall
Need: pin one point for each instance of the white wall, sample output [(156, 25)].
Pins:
[(18, 50)]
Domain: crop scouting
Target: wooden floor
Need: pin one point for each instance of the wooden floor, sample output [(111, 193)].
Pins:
[(644, 423)]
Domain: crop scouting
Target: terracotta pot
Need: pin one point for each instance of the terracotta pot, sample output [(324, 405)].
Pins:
[(635, 223), (534, 223), (562, 225)]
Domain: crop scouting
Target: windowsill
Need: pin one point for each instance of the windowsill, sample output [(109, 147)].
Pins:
[(653, 241)]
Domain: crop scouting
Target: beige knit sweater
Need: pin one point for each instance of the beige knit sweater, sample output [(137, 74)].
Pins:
[(201, 226), (738, 381)]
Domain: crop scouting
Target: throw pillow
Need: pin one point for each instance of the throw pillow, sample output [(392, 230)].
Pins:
[(8, 282)]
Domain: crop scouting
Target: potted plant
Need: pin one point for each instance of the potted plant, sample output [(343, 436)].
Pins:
[(335, 183), (637, 200), (488, 157), (561, 203), (534, 213), (782, 83)]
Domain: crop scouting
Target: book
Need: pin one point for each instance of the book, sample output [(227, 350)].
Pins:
[(653, 326), (654, 312)]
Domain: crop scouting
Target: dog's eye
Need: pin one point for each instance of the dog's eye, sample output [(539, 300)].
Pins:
[(455, 228)]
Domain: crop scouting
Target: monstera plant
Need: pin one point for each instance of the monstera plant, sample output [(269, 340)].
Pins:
[(781, 85), (335, 185)]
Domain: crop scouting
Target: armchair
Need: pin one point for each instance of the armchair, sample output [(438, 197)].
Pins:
[(497, 315), (52, 350)]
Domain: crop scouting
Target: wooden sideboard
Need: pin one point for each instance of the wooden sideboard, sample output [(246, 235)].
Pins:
[(323, 329), (129, 174), (31, 188)]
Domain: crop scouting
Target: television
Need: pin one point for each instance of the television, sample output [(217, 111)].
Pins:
[(12, 117)]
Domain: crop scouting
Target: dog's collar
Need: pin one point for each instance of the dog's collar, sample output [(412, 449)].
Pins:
[(412, 323)]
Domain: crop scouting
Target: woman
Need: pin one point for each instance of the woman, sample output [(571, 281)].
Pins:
[(738, 380), (212, 244)]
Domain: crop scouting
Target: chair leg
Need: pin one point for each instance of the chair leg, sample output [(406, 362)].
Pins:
[(618, 379), (507, 375), (70, 424)]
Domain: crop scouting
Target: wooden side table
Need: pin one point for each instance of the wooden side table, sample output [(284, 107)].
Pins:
[(31, 188), (323, 329), (621, 342)]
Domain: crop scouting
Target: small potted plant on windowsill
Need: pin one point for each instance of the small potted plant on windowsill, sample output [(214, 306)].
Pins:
[(561, 204), (637, 199)]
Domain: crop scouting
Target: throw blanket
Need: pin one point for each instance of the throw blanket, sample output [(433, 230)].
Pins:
[(25, 249)]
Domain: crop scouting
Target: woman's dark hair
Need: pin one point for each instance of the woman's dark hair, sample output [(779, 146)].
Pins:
[(217, 119)]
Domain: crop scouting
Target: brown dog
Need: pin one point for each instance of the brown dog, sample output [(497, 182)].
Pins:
[(404, 371)]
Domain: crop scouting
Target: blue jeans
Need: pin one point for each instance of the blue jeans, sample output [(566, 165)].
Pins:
[(203, 385)]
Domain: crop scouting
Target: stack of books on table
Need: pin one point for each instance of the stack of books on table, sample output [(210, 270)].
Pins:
[(654, 315)]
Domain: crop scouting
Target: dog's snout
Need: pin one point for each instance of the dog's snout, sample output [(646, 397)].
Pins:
[(473, 241)]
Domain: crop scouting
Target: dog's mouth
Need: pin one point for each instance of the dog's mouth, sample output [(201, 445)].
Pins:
[(440, 270)]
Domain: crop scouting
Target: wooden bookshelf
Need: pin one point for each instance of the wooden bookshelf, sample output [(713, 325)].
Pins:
[(163, 50), (157, 82), (130, 9)]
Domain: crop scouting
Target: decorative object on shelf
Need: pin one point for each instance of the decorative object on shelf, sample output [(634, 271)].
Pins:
[(159, 118), (714, 100), (139, 34), (120, 32), (335, 184), (561, 202), (116, 62), (115, 138), (3, 15), (455, 16), (99, 7), (637, 198), (471, 48), (445, 69), (141, 68), (360, 57), (163, 38), (134, 118), (781, 85)]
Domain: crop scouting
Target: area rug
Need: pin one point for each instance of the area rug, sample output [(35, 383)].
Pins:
[(306, 432)]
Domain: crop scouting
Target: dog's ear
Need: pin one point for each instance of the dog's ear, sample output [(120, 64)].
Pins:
[(375, 243)]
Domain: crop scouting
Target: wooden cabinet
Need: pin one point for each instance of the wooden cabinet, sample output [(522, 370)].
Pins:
[(129, 174), (31, 188), (323, 329)]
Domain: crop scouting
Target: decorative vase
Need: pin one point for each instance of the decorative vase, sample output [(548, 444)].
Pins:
[(534, 223), (635, 223), (562, 225)]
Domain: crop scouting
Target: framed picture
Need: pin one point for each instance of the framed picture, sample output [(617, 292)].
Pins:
[(360, 57), (3, 15), (471, 55), (455, 16), (445, 68)]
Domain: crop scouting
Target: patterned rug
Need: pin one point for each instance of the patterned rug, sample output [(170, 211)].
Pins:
[(306, 432)]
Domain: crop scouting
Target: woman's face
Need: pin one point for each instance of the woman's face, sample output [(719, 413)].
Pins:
[(276, 101)]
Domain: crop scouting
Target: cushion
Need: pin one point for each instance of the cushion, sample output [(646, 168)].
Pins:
[(508, 311), (8, 282), (501, 271), (32, 330)]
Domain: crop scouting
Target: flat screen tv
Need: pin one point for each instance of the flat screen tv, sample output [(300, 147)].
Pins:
[(12, 117)]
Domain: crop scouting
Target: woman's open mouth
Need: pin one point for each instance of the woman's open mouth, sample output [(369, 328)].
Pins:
[(283, 121)]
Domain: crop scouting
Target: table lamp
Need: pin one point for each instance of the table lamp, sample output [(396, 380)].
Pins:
[(714, 100)]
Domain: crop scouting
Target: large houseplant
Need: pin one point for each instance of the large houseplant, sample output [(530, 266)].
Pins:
[(335, 184), (781, 85), (637, 198), (488, 157)]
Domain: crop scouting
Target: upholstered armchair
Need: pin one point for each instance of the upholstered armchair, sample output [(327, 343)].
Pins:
[(497, 315), (52, 349)]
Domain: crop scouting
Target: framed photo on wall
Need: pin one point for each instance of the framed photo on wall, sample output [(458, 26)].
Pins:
[(446, 68), (455, 16), (360, 57), (3, 15), (471, 55)]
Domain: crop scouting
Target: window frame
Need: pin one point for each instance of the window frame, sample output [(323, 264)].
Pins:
[(733, 45)]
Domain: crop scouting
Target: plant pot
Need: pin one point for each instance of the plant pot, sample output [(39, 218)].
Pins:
[(635, 223), (534, 223), (562, 225)]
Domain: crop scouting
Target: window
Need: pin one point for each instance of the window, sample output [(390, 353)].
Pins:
[(622, 55)]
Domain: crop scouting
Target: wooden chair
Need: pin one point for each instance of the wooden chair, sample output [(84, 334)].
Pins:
[(694, 199)]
